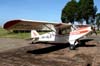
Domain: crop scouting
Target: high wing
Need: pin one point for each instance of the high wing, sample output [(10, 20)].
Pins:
[(30, 25)]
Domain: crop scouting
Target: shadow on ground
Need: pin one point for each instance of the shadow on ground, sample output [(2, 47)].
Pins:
[(56, 47), (83, 43), (53, 47)]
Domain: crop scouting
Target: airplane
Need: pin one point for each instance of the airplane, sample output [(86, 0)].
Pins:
[(60, 33)]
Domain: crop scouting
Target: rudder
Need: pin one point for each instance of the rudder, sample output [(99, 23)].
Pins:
[(34, 34)]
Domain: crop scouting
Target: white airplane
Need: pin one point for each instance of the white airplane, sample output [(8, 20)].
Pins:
[(61, 33)]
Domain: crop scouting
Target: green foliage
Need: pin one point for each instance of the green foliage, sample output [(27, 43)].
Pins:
[(87, 9), (78, 11), (69, 12), (98, 20)]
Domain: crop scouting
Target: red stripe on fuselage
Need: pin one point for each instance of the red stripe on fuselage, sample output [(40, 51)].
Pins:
[(78, 32)]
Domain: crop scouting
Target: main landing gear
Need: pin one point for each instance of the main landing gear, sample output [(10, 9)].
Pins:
[(73, 46)]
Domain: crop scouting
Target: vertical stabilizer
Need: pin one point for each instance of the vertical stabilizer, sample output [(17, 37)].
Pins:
[(34, 34)]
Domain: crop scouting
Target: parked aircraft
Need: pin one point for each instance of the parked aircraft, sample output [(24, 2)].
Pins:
[(60, 33)]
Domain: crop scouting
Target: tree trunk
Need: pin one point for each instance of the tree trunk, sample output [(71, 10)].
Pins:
[(87, 22)]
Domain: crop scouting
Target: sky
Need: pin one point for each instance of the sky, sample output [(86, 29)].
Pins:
[(41, 10)]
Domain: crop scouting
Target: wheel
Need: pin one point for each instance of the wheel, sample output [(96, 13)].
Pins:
[(33, 42), (72, 47)]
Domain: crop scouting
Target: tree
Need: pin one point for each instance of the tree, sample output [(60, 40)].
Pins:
[(98, 21), (79, 17), (87, 10), (79, 11), (69, 12)]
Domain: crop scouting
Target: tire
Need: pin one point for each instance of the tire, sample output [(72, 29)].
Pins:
[(33, 42), (72, 47)]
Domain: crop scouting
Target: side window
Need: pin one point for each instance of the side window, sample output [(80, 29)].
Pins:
[(66, 31), (63, 31), (59, 31)]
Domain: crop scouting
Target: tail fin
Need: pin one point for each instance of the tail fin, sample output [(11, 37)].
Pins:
[(34, 34)]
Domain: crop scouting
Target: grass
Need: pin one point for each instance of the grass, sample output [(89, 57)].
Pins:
[(98, 32), (5, 34)]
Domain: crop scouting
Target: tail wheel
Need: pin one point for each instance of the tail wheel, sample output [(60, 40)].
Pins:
[(35, 40)]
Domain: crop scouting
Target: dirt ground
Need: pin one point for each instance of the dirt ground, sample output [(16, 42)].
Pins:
[(18, 52)]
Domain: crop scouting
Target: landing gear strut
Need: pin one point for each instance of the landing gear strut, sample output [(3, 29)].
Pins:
[(72, 46)]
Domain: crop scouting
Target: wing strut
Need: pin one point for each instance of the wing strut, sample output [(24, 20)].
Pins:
[(49, 27)]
